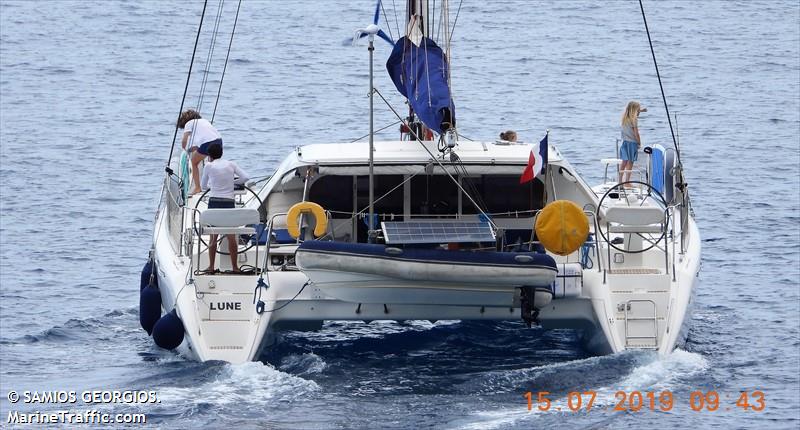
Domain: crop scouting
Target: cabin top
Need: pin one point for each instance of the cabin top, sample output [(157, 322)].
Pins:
[(390, 152)]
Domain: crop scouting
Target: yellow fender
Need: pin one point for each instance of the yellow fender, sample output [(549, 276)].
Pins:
[(292, 218), (562, 227)]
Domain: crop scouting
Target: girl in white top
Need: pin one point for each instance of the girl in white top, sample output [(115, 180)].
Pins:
[(198, 134)]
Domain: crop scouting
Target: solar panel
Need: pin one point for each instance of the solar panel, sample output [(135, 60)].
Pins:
[(437, 232)]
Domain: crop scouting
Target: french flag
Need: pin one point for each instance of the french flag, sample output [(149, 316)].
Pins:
[(536, 161)]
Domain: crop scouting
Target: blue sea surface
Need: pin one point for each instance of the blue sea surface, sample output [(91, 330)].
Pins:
[(89, 94)]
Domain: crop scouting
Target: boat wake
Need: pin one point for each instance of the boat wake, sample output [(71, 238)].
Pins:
[(303, 364), (641, 371), (101, 328), (237, 384)]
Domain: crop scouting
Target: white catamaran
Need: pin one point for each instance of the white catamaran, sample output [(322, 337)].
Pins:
[(431, 227)]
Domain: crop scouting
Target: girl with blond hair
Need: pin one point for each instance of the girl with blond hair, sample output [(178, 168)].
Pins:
[(631, 141)]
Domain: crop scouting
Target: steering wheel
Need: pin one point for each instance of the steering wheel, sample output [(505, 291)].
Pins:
[(197, 230), (651, 193)]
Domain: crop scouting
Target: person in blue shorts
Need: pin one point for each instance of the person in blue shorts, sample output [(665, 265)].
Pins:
[(631, 141), (198, 135)]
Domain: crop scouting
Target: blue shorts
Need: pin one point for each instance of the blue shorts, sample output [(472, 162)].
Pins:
[(629, 151), (203, 149), (220, 203)]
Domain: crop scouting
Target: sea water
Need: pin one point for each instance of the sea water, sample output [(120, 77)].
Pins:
[(89, 94)]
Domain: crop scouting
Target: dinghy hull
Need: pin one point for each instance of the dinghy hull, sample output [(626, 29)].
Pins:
[(366, 273)]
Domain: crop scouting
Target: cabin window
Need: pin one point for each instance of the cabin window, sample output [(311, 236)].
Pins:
[(389, 204), (504, 193), (333, 193), (433, 195)]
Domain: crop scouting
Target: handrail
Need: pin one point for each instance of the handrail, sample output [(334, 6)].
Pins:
[(666, 225), (190, 241), (268, 239), (190, 238), (638, 171), (671, 227), (511, 214), (268, 245), (673, 208), (596, 241), (174, 200)]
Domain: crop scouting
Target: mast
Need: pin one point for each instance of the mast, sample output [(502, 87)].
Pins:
[(371, 221), (370, 32), (416, 29), (418, 8)]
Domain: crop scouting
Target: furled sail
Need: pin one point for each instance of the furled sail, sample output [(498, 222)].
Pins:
[(420, 73)]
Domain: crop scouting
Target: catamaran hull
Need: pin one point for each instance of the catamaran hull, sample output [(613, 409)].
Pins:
[(241, 336), (235, 336)]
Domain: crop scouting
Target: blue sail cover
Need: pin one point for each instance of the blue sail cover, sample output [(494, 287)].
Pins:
[(420, 74)]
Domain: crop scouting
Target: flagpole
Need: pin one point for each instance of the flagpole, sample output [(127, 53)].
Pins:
[(545, 167)]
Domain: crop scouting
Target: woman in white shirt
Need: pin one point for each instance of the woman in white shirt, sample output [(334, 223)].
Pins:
[(198, 134), (219, 177)]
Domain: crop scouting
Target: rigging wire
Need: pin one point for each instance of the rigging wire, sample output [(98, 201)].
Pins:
[(446, 20), (439, 28), (432, 16), (186, 87), (210, 56), (686, 200), (259, 179), (427, 73), (353, 215), (434, 158), (455, 21), (224, 68), (663, 96), (396, 22), (385, 19), (461, 168), (376, 131)]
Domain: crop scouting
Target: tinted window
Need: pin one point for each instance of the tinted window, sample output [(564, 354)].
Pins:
[(505, 194), (334, 193), (433, 195)]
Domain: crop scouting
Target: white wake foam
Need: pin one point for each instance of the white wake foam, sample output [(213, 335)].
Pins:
[(242, 383), (651, 373), (303, 364)]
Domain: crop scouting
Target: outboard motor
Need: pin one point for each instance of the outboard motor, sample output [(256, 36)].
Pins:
[(532, 300), (168, 331)]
